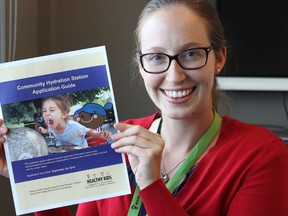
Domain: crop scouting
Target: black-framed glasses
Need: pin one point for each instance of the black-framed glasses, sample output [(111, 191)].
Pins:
[(190, 59)]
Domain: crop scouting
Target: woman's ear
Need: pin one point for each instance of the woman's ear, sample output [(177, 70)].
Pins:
[(221, 59)]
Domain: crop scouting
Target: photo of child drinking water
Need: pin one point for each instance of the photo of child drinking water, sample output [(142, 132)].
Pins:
[(66, 131)]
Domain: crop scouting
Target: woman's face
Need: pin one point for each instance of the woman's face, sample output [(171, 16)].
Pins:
[(177, 92), (53, 115)]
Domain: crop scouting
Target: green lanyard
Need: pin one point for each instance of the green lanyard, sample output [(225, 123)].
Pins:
[(192, 157)]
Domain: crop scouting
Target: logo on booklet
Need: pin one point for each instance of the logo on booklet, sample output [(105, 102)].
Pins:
[(99, 179)]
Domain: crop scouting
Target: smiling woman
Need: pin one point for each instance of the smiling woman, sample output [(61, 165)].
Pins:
[(180, 49)]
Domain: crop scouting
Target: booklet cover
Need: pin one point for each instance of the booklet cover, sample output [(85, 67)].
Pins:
[(60, 111)]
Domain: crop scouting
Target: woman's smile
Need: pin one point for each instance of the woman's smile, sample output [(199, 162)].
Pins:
[(178, 93), (179, 96)]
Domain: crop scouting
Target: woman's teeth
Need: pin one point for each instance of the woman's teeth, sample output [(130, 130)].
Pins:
[(178, 94)]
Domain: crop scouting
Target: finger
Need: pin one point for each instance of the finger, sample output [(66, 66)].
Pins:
[(122, 127), (136, 146), (127, 130), (131, 141), (122, 131), (138, 150)]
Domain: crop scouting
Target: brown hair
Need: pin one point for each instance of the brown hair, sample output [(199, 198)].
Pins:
[(204, 9)]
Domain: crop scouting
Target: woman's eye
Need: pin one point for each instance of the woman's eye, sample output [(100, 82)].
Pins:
[(156, 57), (193, 55), (190, 53)]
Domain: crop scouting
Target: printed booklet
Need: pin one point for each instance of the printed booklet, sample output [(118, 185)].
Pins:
[(60, 111)]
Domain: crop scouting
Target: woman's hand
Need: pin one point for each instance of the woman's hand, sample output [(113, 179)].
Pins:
[(3, 164), (144, 150)]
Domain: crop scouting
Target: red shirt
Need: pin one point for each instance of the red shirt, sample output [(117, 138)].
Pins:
[(244, 174)]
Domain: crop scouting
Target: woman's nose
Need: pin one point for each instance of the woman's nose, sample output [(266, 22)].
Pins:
[(175, 72)]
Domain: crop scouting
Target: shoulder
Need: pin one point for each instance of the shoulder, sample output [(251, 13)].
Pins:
[(144, 121), (246, 150), (250, 140), (232, 128), (252, 147)]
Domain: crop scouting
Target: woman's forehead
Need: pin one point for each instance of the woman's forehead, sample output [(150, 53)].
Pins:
[(173, 26)]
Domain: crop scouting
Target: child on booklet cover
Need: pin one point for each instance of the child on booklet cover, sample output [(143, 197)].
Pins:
[(65, 129)]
